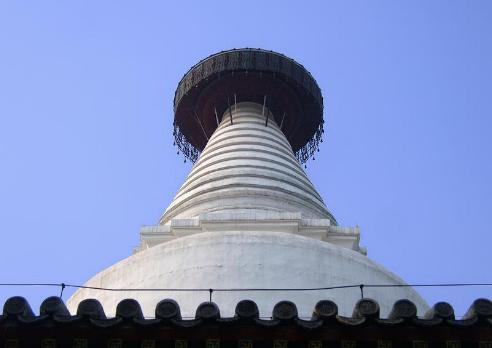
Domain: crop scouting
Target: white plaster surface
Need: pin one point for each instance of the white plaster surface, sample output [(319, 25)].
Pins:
[(240, 220), (246, 260)]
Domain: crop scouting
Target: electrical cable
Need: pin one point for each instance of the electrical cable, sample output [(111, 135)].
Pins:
[(361, 286)]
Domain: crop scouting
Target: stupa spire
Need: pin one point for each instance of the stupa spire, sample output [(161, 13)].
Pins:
[(248, 119), (247, 167)]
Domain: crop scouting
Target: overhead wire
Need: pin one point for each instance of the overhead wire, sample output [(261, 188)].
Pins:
[(66, 285)]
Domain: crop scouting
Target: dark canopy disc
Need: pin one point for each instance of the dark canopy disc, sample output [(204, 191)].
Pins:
[(217, 82)]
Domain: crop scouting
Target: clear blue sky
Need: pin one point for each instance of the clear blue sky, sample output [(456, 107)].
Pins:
[(86, 90)]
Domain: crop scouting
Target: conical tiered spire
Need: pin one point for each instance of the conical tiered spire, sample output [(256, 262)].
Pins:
[(247, 167)]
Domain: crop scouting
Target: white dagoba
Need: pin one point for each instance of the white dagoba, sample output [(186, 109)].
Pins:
[(247, 216)]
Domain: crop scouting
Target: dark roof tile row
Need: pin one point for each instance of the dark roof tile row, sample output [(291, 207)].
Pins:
[(167, 312)]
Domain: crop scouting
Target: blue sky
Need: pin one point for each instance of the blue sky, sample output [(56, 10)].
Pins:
[(86, 90)]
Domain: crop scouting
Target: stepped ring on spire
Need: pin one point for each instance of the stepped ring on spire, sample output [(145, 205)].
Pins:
[(265, 77)]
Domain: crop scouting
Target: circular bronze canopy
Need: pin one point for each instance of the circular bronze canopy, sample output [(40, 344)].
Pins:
[(214, 84)]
